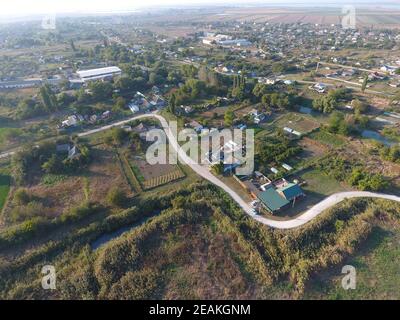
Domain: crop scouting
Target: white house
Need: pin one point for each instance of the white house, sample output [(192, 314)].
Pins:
[(134, 108)]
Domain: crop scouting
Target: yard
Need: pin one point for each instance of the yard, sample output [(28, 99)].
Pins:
[(296, 121), (318, 186), (321, 185), (327, 138)]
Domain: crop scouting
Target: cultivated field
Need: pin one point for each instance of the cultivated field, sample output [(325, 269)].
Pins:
[(152, 176), (365, 16)]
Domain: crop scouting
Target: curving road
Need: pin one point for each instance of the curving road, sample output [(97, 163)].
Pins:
[(206, 174)]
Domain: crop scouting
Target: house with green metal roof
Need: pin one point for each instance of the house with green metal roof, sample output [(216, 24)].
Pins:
[(272, 200), (291, 192)]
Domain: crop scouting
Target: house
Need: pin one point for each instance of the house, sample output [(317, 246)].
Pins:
[(134, 108), (73, 153), (389, 69), (292, 131), (21, 84), (272, 201), (70, 122), (63, 148), (291, 192), (76, 83), (348, 73), (259, 118), (142, 130), (188, 109), (126, 128), (93, 118), (319, 87), (274, 170), (106, 114), (375, 76), (241, 126), (287, 167), (196, 126), (158, 101)]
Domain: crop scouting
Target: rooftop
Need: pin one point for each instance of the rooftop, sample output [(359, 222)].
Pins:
[(98, 72), (272, 199), (291, 191)]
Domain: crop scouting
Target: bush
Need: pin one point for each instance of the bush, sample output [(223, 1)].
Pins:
[(116, 197), (21, 197)]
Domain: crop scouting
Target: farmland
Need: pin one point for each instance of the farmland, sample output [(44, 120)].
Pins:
[(153, 176)]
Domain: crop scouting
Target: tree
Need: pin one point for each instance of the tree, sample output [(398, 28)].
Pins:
[(116, 136), (116, 197), (324, 104), (86, 189), (72, 45), (359, 106), (21, 197), (49, 100), (338, 124), (120, 104), (172, 103), (364, 84), (229, 118), (53, 165), (100, 90), (218, 169), (125, 85)]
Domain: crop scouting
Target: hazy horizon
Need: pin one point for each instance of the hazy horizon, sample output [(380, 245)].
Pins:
[(38, 7)]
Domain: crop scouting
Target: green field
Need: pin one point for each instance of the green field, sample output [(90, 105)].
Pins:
[(327, 138), (319, 183), (377, 271)]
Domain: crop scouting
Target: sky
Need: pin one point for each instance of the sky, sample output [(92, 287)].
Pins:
[(34, 7)]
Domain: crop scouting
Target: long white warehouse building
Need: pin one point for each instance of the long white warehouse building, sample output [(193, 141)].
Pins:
[(99, 74)]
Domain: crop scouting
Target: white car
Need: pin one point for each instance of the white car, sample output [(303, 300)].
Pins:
[(253, 212), (254, 204)]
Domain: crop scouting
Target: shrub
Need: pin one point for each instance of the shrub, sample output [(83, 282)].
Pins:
[(116, 197), (21, 197)]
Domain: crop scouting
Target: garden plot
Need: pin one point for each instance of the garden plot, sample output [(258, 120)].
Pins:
[(298, 123), (152, 176)]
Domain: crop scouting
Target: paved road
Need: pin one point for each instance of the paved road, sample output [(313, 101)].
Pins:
[(206, 174), (321, 207)]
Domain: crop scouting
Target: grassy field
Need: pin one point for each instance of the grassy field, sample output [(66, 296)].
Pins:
[(320, 183), (327, 138), (377, 271)]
